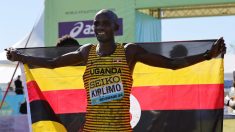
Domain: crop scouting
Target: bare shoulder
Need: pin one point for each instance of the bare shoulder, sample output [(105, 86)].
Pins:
[(85, 47), (84, 50), (130, 48), (133, 48), (133, 51), (130, 45)]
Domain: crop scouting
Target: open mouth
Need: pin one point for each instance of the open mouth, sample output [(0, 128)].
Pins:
[(101, 33)]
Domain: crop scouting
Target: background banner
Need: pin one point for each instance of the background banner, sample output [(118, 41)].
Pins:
[(75, 17)]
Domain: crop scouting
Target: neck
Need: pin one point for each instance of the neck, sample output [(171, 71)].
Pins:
[(104, 49)]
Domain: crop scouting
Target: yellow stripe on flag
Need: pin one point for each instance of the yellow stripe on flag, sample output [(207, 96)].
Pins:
[(48, 126), (206, 72), (58, 78), (28, 74)]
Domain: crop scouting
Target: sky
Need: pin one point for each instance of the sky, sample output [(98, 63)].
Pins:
[(19, 16), (201, 28), (17, 19)]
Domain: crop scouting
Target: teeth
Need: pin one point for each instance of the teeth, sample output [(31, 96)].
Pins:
[(101, 33)]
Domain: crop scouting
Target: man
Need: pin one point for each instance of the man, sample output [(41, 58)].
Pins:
[(110, 65), (229, 100), (67, 41), (18, 85)]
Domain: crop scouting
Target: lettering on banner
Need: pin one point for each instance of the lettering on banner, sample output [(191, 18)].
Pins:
[(82, 29)]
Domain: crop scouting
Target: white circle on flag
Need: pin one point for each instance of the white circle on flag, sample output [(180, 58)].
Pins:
[(135, 111)]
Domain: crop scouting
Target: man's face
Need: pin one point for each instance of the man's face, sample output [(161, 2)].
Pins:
[(104, 28)]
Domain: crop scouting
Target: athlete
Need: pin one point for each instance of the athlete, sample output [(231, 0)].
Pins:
[(108, 74)]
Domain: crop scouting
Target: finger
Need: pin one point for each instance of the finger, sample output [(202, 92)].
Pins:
[(224, 50), (8, 56), (222, 45), (219, 41), (8, 49), (221, 38), (11, 49)]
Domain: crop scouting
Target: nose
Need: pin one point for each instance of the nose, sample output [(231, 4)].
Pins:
[(99, 27)]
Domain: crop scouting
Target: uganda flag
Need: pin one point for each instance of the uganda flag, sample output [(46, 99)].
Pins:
[(163, 100)]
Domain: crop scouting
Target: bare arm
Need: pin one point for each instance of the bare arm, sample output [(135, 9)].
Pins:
[(71, 58), (138, 54)]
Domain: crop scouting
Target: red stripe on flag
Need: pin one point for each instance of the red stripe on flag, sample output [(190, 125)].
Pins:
[(67, 101), (34, 91), (180, 97), (174, 97), (61, 101)]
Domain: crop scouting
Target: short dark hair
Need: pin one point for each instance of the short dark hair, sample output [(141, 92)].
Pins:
[(178, 51), (67, 41), (110, 14)]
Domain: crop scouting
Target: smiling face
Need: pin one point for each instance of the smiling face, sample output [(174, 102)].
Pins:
[(105, 26)]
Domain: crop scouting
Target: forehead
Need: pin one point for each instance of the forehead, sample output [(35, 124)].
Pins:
[(104, 17)]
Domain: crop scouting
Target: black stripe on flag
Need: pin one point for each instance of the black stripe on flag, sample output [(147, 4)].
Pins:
[(72, 121), (41, 110), (180, 121)]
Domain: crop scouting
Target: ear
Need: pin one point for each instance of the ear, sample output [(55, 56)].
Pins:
[(116, 27)]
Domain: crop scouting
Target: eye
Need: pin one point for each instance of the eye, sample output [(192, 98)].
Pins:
[(96, 23), (107, 23)]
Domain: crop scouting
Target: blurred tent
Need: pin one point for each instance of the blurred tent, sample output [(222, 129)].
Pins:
[(33, 39), (10, 118)]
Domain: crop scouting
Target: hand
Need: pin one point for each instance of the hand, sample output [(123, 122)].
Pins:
[(13, 54), (217, 48)]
